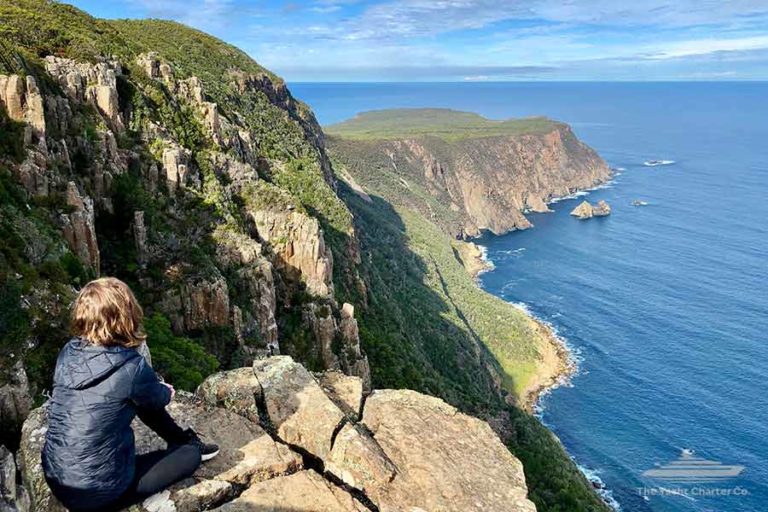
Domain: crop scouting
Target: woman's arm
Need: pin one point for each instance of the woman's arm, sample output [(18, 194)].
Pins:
[(147, 391)]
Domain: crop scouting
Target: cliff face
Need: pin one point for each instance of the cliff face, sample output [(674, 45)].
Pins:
[(484, 182), (201, 182), (290, 440)]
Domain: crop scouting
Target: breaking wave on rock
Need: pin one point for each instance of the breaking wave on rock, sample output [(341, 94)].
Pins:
[(656, 163)]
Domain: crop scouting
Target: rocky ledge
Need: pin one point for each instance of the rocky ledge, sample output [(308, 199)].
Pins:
[(295, 441), (586, 210)]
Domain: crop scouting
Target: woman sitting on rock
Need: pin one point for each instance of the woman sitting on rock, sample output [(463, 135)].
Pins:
[(101, 383)]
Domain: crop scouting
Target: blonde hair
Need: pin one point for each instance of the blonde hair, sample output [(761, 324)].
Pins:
[(106, 313)]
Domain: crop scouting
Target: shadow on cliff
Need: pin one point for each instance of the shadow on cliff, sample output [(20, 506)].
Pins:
[(406, 326)]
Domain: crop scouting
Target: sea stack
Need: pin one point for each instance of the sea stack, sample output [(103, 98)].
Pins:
[(586, 210), (601, 209)]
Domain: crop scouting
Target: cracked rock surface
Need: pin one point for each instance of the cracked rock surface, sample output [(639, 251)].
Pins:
[(291, 441)]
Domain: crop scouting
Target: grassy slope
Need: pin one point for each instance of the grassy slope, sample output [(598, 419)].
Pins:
[(436, 122)]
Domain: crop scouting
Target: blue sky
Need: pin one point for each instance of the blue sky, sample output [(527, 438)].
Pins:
[(477, 40)]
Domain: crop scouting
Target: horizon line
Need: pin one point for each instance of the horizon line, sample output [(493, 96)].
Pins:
[(478, 82)]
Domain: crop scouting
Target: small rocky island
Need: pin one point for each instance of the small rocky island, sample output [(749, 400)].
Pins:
[(586, 210)]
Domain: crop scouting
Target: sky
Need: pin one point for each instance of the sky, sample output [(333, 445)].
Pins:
[(479, 40)]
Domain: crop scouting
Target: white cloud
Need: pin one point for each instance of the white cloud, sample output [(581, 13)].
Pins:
[(707, 46), (424, 18), (474, 39)]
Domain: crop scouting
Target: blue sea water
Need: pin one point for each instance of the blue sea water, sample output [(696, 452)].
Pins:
[(666, 305)]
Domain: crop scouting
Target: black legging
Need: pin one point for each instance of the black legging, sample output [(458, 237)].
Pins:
[(160, 469)]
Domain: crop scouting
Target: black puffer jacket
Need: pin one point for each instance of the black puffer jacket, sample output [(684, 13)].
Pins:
[(89, 449)]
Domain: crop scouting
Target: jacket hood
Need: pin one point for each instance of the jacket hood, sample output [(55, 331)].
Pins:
[(82, 364)]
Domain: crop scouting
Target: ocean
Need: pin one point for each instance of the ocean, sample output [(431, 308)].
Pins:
[(665, 305)]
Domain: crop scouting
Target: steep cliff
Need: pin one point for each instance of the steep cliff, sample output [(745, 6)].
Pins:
[(199, 180), (471, 173)]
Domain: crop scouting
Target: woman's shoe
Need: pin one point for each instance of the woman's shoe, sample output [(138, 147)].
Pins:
[(207, 450)]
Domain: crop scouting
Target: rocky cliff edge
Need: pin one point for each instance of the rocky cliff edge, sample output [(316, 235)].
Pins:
[(295, 441)]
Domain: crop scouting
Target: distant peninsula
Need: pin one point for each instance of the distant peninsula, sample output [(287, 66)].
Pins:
[(452, 175), (472, 173)]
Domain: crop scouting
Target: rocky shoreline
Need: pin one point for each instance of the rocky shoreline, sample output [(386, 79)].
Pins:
[(472, 257), (559, 367), (558, 363)]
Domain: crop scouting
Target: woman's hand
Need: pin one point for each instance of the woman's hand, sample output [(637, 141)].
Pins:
[(173, 391)]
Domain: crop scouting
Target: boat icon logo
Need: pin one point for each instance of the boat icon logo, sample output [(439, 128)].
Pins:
[(690, 468)]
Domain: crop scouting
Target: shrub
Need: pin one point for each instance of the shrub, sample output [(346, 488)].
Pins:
[(181, 361)]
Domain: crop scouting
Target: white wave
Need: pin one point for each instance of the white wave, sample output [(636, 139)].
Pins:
[(523, 307), (620, 169), (575, 195), (483, 252), (593, 475), (486, 259), (575, 358), (656, 163)]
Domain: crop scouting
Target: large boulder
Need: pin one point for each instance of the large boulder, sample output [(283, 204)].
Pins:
[(445, 460), (247, 451), (28, 459), (299, 410), (237, 390), (346, 391), (359, 461), (583, 211), (303, 491), (601, 209)]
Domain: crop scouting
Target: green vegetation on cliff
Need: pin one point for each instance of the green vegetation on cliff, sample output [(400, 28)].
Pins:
[(284, 131), (429, 327), (435, 122)]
